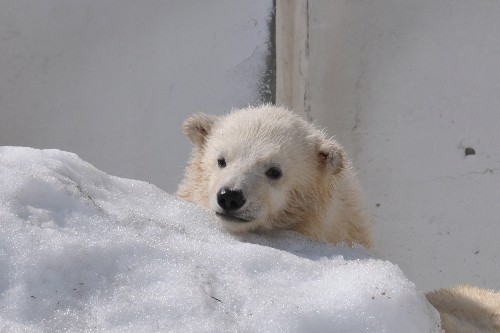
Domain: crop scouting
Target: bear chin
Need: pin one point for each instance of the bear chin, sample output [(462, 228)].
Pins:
[(229, 218), (237, 224)]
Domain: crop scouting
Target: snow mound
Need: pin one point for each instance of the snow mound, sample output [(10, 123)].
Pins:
[(84, 251)]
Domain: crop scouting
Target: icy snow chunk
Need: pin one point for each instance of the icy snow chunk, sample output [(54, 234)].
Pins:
[(84, 251)]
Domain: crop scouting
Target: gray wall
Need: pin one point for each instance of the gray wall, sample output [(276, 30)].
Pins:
[(406, 86)]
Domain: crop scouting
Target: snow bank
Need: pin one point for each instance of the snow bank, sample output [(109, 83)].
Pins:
[(84, 251)]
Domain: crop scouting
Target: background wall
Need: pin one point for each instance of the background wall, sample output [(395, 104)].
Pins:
[(407, 86), (113, 80)]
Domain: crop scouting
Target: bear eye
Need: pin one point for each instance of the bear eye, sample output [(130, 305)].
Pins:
[(274, 173), (221, 162)]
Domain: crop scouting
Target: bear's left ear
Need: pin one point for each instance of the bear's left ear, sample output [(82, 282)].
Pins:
[(332, 155), (197, 127)]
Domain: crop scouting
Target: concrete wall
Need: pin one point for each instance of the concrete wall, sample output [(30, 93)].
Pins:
[(113, 80), (407, 86)]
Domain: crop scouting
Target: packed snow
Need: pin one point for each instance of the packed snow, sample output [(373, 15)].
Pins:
[(84, 251)]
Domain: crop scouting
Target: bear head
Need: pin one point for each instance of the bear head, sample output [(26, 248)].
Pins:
[(260, 168)]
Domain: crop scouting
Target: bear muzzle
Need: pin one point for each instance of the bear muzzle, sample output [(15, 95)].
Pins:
[(231, 201)]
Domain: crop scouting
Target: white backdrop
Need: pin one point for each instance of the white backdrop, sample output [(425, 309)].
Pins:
[(113, 80)]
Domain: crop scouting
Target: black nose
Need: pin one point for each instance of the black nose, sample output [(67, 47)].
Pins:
[(230, 199)]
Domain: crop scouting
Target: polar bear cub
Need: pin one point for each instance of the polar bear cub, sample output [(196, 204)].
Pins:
[(265, 167)]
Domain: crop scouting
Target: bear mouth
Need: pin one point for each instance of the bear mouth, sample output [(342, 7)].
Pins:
[(231, 218)]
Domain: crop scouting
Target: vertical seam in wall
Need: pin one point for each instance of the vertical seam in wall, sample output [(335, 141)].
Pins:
[(267, 83), (292, 56), (307, 103)]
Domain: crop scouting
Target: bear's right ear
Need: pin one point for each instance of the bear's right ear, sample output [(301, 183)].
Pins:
[(197, 127), (332, 154)]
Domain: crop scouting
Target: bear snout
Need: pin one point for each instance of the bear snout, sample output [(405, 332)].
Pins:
[(230, 200)]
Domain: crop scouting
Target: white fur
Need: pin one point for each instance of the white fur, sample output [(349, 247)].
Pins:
[(467, 309), (317, 194)]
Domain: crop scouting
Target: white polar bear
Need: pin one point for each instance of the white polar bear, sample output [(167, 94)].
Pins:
[(265, 168)]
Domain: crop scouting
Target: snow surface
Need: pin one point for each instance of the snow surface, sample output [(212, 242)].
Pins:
[(84, 251)]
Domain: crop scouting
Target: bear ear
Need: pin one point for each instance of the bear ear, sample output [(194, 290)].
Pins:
[(332, 155), (197, 127)]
